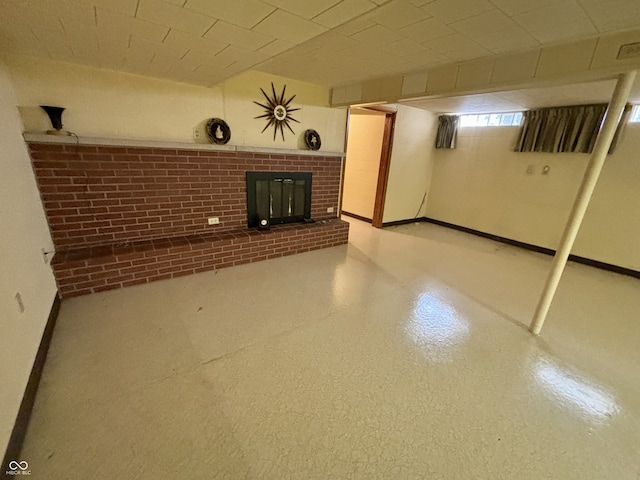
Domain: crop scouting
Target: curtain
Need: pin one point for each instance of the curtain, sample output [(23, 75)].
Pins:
[(447, 135), (628, 108), (561, 129)]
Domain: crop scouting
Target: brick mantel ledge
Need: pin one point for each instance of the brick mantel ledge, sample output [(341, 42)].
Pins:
[(31, 137)]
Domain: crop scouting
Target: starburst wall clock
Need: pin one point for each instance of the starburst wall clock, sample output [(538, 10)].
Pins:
[(277, 112)]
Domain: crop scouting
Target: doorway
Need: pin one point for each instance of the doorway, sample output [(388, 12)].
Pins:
[(368, 155)]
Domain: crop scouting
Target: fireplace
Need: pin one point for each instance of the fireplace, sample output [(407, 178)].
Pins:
[(278, 197)]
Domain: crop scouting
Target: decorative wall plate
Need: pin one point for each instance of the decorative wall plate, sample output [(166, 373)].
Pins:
[(218, 131), (278, 112), (312, 139)]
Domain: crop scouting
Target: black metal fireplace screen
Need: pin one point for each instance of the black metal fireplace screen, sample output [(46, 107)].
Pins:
[(279, 197)]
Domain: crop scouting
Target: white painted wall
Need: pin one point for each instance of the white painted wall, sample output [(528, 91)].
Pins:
[(411, 164), (104, 103), (23, 234), (484, 185), (362, 164)]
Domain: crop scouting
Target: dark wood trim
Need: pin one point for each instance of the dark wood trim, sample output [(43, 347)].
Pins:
[(380, 108), (534, 248), (357, 217), (344, 163), (403, 222), (19, 431), (383, 172), (515, 243), (605, 266)]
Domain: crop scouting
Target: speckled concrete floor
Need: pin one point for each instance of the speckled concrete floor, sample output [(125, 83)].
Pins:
[(404, 355)]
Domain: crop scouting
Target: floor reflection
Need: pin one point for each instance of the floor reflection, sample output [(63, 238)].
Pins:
[(575, 392), (437, 327)]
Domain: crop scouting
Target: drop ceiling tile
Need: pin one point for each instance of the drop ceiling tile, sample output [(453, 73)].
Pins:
[(361, 53), (288, 27), (233, 54), (246, 13), (158, 11), (568, 58), (504, 41), (402, 47), (108, 42), (427, 58), (608, 48), (425, 30), (73, 10), (442, 78), (126, 7), (398, 14), (515, 67), (613, 14), (238, 36), (562, 21), (376, 36), (304, 8), (420, 3), (475, 74), (343, 12), (449, 11), (276, 47), (456, 47), (46, 30), (354, 26), (414, 83), (161, 50), (485, 23), (181, 40), (115, 24), (515, 7), (329, 41), (82, 37)]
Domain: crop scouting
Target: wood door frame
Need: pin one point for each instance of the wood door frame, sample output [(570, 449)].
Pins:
[(383, 171)]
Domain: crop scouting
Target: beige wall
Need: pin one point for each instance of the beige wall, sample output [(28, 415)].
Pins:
[(484, 185), (410, 170), (103, 103), (366, 130), (23, 235)]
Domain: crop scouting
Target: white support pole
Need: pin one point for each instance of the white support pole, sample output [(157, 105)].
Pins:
[(598, 157)]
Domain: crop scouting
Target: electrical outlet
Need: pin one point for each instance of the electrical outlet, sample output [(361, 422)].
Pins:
[(213, 220), (330, 210), (530, 169), (196, 133)]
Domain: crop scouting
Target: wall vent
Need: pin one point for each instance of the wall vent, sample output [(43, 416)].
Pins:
[(629, 50)]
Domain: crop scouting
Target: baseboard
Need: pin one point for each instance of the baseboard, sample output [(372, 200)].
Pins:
[(357, 217), (403, 222), (535, 248), (26, 406)]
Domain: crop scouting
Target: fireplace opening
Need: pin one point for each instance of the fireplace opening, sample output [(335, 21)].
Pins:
[(278, 197)]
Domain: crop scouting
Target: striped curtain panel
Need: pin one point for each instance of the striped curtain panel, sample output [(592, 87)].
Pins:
[(447, 135), (561, 129)]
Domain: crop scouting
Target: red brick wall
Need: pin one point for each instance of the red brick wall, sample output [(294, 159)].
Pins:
[(98, 195)]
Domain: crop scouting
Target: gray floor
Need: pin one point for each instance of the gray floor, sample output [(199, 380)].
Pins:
[(404, 355)]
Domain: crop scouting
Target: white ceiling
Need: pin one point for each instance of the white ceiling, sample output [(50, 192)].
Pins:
[(327, 42), (519, 100)]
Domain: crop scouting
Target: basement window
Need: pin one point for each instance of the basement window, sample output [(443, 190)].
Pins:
[(635, 114), (512, 119)]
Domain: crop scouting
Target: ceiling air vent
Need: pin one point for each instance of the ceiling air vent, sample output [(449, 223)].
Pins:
[(629, 50)]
